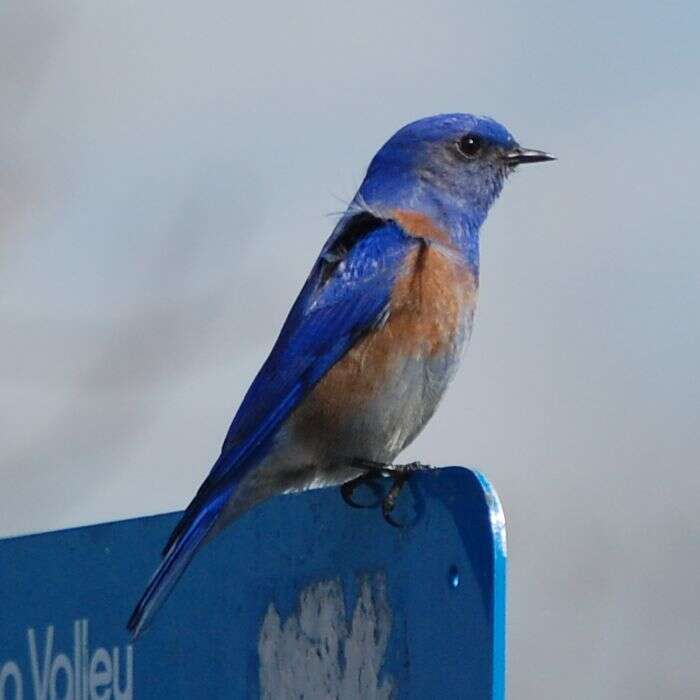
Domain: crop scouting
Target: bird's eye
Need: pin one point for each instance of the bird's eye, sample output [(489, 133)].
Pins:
[(470, 145)]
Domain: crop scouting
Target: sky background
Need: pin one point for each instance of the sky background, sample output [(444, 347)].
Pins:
[(168, 172)]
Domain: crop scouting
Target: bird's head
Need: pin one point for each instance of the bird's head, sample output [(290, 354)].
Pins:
[(450, 166)]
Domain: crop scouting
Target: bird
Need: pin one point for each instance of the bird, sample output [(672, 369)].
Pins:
[(371, 342)]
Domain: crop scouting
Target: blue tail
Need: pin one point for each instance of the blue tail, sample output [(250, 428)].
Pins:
[(175, 561)]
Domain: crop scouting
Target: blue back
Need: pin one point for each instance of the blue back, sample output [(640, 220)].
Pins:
[(418, 612)]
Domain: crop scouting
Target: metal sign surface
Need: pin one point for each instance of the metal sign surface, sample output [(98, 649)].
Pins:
[(302, 597)]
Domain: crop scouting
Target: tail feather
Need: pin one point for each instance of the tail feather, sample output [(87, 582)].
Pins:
[(232, 463), (172, 567)]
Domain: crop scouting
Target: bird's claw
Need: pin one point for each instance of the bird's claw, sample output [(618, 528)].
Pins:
[(389, 501), (348, 489), (399, 473)]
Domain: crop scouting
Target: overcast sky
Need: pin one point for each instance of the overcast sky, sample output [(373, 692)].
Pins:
[(168, 173)]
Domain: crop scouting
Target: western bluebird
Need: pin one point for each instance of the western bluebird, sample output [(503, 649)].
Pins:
[(373, 339)]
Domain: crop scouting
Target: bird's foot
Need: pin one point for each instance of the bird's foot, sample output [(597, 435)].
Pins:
[(399, 473), (369, 479)]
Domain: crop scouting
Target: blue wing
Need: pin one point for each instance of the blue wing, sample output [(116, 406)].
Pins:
[(346, 295)]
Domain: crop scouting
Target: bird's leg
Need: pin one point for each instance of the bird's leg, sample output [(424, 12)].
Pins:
[(348, 488), (390, 499), (399, 473), (371, 471)]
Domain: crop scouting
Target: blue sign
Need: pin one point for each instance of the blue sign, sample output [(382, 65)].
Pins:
[(302, 597)]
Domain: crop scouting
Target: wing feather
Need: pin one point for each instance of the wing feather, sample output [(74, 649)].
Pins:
[(346, 295)]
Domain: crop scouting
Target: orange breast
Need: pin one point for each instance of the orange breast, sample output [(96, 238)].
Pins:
[(432, 300)]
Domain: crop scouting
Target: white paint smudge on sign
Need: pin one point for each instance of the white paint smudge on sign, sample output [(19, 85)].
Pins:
[(317, 654)]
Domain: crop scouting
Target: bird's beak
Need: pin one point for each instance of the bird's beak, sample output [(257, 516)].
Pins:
[(519, 155)]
